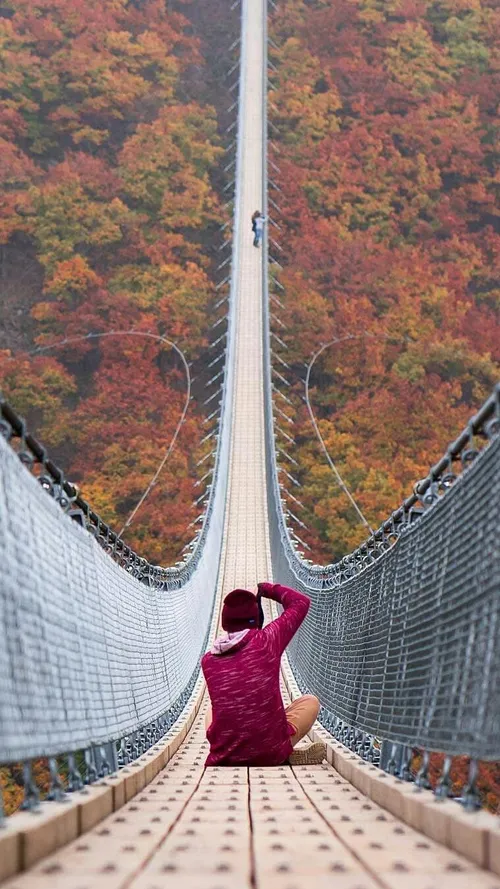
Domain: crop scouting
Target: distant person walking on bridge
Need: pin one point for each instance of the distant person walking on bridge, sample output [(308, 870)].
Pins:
[(247, 723), (258, 221)]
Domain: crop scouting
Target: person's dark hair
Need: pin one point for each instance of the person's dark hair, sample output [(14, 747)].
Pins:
[(254, 215)]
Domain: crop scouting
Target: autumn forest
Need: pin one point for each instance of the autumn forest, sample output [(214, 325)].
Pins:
[(384, 205), (109, 221), (385, 140)]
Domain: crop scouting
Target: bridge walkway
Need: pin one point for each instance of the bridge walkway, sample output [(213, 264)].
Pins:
[(279, 828), (237, 828)]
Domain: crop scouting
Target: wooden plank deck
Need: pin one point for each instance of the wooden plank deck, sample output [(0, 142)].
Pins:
[(238, 828)]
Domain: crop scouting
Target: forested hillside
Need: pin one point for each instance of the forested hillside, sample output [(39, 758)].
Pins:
[(384, 118), (109, 213)]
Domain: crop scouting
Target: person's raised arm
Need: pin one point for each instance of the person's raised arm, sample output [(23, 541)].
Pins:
[(295, 607)]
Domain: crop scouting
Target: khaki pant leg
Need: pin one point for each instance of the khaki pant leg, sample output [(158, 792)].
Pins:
[(302, 714), (208, 716)]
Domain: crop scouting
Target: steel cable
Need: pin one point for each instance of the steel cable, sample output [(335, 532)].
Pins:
[(120, 333)]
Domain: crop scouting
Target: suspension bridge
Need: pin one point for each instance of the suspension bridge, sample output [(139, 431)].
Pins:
[(99, 664)]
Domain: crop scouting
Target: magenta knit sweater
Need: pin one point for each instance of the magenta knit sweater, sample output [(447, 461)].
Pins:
[(249, 724)]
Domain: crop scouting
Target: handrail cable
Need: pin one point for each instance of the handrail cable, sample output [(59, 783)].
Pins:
[(340, 480), (116, 333)]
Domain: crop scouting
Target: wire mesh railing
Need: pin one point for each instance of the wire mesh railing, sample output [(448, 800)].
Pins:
[(101, 647), (401, 643)]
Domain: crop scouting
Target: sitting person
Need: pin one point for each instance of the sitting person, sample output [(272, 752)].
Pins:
[(247, 723)]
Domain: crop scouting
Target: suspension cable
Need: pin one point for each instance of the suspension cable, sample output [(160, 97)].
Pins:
[(149, 335), (340, 480)]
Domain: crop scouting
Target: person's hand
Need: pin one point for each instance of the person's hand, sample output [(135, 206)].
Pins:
[(265, 589)]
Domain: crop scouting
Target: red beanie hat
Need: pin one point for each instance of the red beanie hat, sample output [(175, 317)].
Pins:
[(240, 611)]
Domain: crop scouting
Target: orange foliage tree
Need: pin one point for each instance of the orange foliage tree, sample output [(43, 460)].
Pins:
[(106, 178), (384, 114)]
